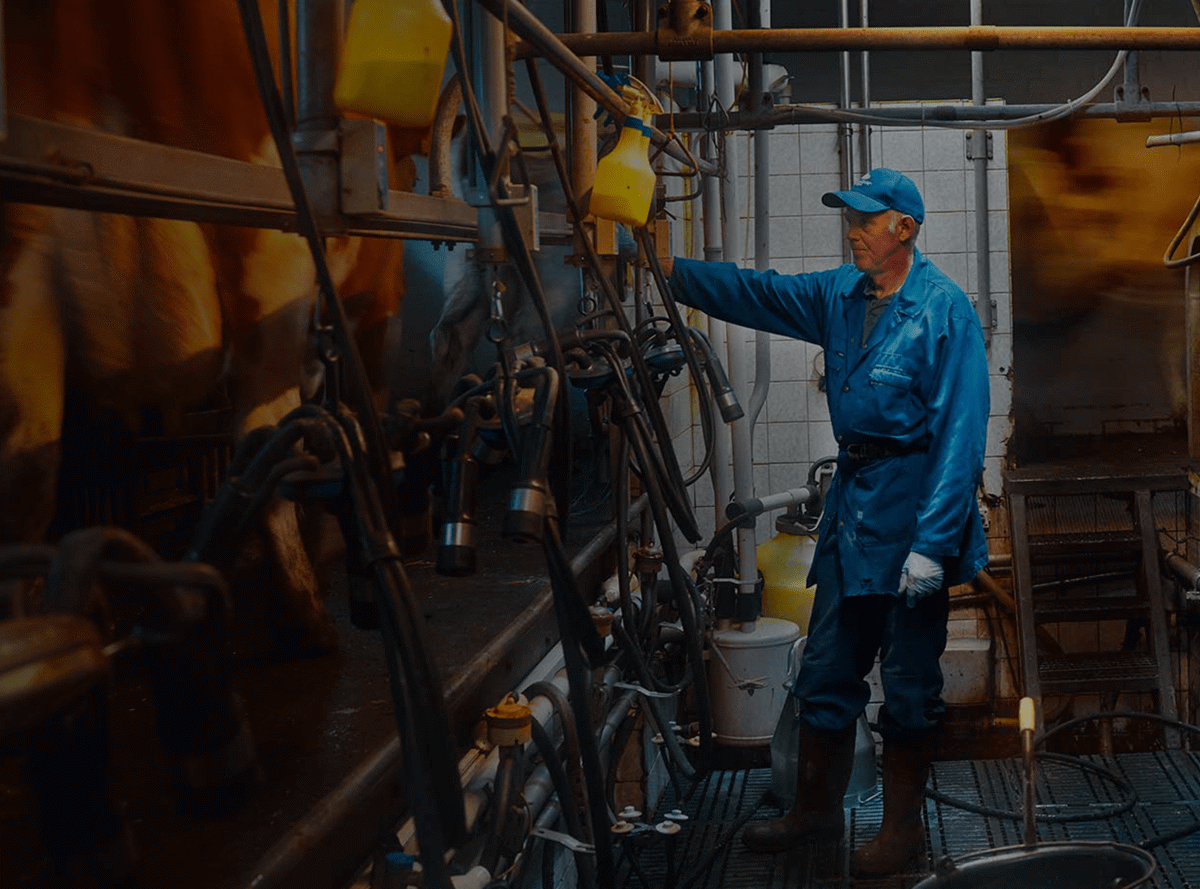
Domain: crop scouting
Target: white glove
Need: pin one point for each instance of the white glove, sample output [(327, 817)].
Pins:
[(919, 577)]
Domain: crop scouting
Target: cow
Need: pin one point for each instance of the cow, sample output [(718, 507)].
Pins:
[(1098, 316), (136, 316)]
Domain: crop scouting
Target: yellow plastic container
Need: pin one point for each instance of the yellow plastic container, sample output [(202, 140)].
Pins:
[(393, 59), (624, 184), (784, 561)]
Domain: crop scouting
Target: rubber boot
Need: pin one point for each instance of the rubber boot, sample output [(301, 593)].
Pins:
[(822, 774), (901, 838)]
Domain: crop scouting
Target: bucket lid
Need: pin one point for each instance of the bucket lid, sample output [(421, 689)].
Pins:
[(767, 632)]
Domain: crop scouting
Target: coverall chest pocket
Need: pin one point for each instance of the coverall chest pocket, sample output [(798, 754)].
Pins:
[(893, 382), (893, 369)]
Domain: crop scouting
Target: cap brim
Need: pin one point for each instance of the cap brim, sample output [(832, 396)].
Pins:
[(853, 200)]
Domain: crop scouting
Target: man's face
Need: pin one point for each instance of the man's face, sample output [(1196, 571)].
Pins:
[(874, 238)]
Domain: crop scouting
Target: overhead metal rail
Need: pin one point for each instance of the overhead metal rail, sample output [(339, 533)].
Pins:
[(42, 162), (977, 38), (926, 115)]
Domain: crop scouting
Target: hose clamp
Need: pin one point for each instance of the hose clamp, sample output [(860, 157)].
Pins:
[(458, 534)]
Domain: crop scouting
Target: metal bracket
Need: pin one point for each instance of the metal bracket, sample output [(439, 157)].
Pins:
[(314, 141), (685, 31), (363, 166), (632, 686), (972, 153), (1131, 96), (523, 199), (563, 839), (1133, 100)]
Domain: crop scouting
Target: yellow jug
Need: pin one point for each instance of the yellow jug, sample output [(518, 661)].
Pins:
[(624, 184), (784, 561), (393, 59)]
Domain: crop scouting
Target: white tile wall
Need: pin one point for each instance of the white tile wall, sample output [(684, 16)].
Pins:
[(807, 236)]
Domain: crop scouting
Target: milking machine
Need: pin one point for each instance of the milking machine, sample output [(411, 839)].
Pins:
[(109, 608)]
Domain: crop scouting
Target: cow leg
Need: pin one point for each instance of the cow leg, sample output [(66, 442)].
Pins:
[(32, 377), (32, 385), (271, 357)]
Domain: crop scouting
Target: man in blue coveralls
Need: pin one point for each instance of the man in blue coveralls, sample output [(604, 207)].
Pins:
[(907, 385)]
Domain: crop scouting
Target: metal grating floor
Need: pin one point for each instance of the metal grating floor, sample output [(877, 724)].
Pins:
[(1082, 805)]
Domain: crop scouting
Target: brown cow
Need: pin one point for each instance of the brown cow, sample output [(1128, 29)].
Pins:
[(1098, 316), (136, 313)]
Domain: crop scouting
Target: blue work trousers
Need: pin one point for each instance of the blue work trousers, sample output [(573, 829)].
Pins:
[(845, 633)]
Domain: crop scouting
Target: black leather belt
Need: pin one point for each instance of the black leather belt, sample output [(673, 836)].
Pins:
[(870, 451)]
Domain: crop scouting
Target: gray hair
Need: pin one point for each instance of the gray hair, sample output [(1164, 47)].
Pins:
[(894, 217)]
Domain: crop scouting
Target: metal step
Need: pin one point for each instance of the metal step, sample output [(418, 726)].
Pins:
[(1110, 544), (1066, 609), (1098, 672)]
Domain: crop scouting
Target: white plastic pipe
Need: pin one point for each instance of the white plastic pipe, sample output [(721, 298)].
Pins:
[(864, 8), (476, 878), (1173, 139), (983, 304), (845, 129), (720, 469), (762, 223), (738, 369)]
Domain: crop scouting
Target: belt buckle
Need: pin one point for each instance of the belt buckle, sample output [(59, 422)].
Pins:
[(857, 451)]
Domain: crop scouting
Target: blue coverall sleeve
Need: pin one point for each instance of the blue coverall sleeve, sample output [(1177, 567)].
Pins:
[(791, 305), (957, 414)]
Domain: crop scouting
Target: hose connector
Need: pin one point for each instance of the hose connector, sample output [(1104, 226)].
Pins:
[(527, 509), (531, 501), (510, 722), (726, 399), (456, 549), (456, 545)]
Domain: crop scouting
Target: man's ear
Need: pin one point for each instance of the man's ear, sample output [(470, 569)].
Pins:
[(906, 230)]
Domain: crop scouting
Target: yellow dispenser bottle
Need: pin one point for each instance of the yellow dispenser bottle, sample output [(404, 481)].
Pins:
[(784, 561), (393, 59), (624, 184)]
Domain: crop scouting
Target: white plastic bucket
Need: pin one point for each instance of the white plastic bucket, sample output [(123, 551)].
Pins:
[(746, 676)]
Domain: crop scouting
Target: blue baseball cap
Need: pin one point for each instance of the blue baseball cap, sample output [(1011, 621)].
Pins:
[(881, 189)]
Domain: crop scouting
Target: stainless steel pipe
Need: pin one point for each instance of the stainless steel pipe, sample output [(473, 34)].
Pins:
[(929, 115), (981, 38)]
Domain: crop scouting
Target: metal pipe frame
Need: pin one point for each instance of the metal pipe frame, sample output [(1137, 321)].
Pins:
[(864, 133), (983, 265), (546, 44), (980, 38), (1184, 570), (845, 127), (318, 36), (930, 115), (53, 164)]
